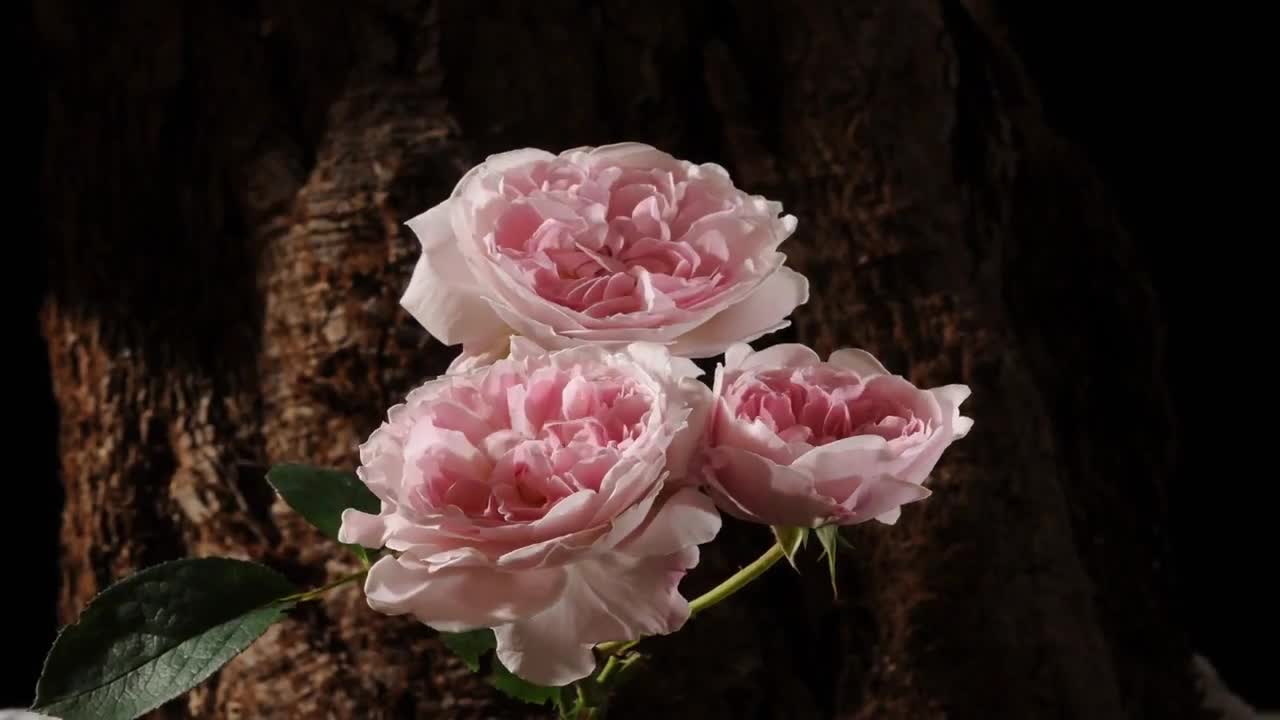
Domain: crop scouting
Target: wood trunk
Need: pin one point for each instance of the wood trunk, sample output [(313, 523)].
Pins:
[(226, 185)]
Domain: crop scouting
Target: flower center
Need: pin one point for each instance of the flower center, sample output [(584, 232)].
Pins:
[(510, 445), (614, 241), (818, 405)]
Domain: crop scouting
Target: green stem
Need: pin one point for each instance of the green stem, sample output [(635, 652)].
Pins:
[(731, 585), (317, 592), (585, 711), (738, 580), (616, 647), (610, 666)]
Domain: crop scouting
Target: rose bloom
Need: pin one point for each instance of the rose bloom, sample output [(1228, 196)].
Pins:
[(541, 496), (604, 245), (794, 441)]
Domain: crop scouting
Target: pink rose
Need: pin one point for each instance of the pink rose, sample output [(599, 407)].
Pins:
[(794, 441), (538, 496), (603, 245)]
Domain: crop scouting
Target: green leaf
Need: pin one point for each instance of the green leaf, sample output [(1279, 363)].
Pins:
[(503, 679), (470, 646), (791, 539), (829, 536), (320, 495), (157, 634)]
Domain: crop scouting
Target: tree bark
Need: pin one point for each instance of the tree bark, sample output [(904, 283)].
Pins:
[(226, 186)]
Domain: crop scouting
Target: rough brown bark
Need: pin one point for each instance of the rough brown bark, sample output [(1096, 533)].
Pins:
[(226, 188)]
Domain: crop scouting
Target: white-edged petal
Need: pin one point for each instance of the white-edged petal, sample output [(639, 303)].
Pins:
[(443, 294), (860, 361), (763, 311)]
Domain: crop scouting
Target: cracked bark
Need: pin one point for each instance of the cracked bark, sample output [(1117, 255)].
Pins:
[(226, 186)]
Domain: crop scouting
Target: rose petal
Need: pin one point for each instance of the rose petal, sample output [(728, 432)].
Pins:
[(686, 518), (360, 528), (736, 354), (880, 497), (659, 361), (860, 455), (618, 597), (453, 599), (759, 490), (763, 311), (890, 517), (860, 361), (785, 355), (951, 395), (630, 154), (682, 452), (443, 293)]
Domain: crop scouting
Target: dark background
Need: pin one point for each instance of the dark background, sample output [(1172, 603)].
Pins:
[(1122, 87)]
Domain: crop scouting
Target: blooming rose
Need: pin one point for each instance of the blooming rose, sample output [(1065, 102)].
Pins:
[(607, 245), (538, 496), (794, 441)]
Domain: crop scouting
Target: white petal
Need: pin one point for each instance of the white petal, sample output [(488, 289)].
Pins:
[(443, 294), (860, 361), (631, 154), (763, 311), (890, 517), (522, 348), (661, 363), (953, 395), (360, 528), (785, 355), (736, 354), (504, 161)]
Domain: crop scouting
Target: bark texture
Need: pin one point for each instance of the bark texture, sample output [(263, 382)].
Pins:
[(226, 187)]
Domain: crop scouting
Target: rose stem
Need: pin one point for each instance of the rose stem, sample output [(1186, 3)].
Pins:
[(738, 580), (610, 666), (317, 592), (731, 585)]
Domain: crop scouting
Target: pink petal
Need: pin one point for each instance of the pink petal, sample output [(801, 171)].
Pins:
[(860, 361), (555, 552), (688, 441), (763, 311), (759, 490), (686, 518), (359, 528), (754, 435), (860, 455), (454, 599), (443, 293), (880, 497), (613, 597)]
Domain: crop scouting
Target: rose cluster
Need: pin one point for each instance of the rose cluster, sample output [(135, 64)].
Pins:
[(556, 483)]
